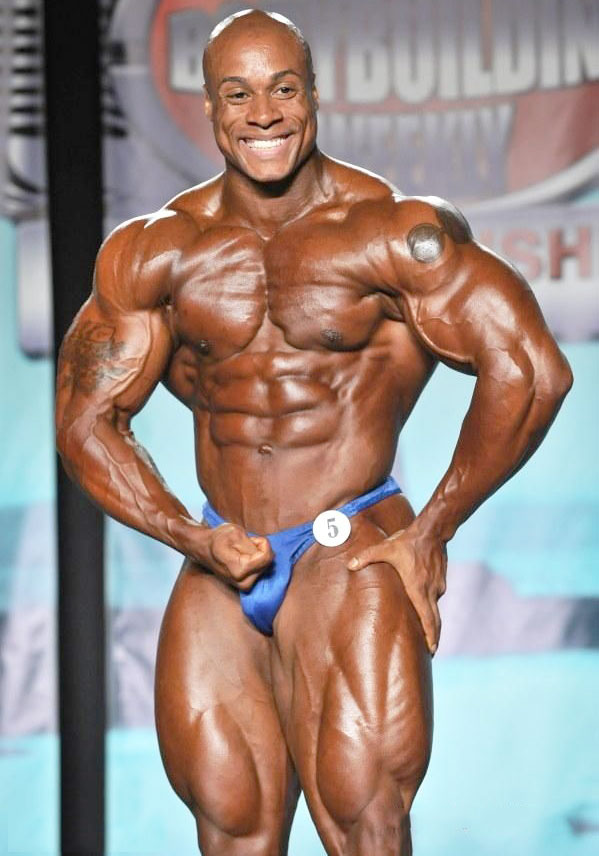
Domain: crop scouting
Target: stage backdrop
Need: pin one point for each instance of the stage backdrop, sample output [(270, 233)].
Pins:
[(492, 104)]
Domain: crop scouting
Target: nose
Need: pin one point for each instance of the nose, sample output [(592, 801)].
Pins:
[(263, 111)]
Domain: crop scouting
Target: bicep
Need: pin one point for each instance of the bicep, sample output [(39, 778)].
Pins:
[(119, 344), (478, 311), (110, 361)]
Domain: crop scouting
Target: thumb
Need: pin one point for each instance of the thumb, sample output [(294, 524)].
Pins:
[(261, 543), (363, 558)]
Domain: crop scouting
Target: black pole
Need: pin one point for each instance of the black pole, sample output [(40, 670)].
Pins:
[(75, 208)]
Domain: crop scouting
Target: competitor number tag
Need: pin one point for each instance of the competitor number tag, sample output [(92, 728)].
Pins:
[(331, 528)]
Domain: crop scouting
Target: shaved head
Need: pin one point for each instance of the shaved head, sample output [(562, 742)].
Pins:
[(252, 22), (260, 95)]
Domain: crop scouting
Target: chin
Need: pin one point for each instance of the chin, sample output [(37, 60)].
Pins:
[(270, 176), (267, 173)]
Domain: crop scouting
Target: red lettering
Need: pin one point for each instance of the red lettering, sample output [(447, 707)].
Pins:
[(516, 246), (559, 250)]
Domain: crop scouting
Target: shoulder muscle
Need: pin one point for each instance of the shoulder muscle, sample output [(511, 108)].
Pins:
[(425, 232), (461, 298), (134, 261)]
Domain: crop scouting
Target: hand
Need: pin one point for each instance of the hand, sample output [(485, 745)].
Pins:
[(237, 557), (229, 552), (421, 562)]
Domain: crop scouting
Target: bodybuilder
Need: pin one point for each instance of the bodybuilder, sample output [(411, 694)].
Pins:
[(298, 306)]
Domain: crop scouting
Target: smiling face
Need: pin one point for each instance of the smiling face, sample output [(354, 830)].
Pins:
[(260, 98)]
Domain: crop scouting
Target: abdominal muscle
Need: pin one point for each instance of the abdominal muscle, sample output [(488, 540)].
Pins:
[(274, 451)]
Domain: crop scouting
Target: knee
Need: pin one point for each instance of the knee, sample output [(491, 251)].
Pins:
[(383, 826), (215, 842)]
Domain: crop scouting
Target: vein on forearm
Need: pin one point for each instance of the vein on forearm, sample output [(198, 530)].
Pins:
[(510, 413), (101, 385)]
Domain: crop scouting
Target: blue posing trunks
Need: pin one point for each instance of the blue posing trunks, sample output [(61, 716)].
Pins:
[(262, 602)]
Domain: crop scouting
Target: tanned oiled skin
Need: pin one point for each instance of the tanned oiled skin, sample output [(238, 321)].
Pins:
[(298, 306)]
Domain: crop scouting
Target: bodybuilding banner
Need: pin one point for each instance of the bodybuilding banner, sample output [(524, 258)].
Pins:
[(479, 101), (487, 103)]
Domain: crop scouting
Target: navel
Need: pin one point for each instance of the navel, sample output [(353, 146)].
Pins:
[(332, 337)]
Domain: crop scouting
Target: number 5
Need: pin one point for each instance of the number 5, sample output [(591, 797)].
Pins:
[(333, 529)]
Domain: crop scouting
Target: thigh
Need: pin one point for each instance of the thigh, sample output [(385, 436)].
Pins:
[(218, 729), (353, 681)]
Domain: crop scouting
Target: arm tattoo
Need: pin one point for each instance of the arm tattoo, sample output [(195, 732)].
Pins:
[(88, 357)]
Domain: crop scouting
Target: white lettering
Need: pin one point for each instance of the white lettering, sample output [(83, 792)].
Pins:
[(514, 46), (581, 38), (476, 80), (186, 44), (368, 72), (421, 49), (414, 54), (324, 45), (454, 153), (449, 85), (549, 48), (324, 64), (494, 125)]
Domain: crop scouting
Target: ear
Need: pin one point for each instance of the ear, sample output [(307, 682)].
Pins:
[(315, 97), (208, 106)]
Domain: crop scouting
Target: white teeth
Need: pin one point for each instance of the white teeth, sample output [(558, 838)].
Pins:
[(265, 144)]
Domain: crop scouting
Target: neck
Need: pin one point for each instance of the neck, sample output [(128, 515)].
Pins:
[(266, 206)]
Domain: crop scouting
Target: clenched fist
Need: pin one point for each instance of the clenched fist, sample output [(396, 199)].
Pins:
[(227, 550)]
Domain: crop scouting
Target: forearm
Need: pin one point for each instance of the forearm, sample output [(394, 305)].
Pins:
[(508, 418), (117, 473)]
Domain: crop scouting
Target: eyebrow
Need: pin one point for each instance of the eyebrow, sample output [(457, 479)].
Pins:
[(284, 73), (276, 76)]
